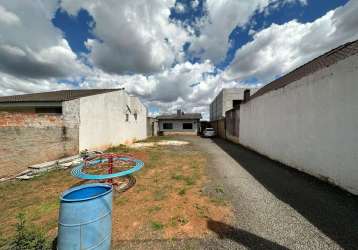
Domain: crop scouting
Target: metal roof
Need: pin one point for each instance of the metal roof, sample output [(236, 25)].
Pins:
[(326, 60), (185, 116), (55, 96)]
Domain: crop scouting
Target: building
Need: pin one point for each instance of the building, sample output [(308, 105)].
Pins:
[(41, 127), (179, 123), (152, 126), (307, 119), (227, 99)]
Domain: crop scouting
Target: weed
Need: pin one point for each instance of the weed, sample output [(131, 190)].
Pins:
[(218, 200), (174, 221), (139, 188), (118, 149), (154, 209), (156, 225), (190, 180), (177, 177), (28, 237), (202, 211), (159, 195), (121, 200), (182, 192), (219, 190)]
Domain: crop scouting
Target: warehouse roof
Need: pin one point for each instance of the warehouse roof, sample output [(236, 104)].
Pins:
[(54, 96), (332, 57)]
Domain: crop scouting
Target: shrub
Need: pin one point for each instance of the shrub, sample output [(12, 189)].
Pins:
[(27, 238)]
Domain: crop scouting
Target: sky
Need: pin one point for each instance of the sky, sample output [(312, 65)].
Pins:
[(172, 54)]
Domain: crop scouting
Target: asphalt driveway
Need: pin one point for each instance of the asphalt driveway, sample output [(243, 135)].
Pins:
[(277, 207)]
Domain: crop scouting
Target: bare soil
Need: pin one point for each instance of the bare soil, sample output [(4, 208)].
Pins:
[(167, 201)]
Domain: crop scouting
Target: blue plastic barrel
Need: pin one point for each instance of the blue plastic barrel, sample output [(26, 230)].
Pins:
[(85, 220)]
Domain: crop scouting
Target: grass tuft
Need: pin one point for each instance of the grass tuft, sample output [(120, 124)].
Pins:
[(156, 225)]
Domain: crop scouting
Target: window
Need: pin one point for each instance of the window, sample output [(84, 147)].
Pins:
[(167, 125), (236, 103), (135, 116), (187, 126), (127, 117), (54, 110)]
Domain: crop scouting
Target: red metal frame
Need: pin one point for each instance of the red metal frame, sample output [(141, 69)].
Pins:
[(110, 162)]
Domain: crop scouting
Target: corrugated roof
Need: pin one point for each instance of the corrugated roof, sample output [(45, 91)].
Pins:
[(185, 116), (55, 96), (326, 60)]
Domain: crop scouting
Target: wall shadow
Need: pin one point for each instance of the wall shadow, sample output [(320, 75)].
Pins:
[(332, 210), (249, 240)]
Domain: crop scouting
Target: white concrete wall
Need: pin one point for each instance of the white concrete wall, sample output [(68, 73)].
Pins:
[(224, 101), (103, 120), (178, 126), (311, 124)]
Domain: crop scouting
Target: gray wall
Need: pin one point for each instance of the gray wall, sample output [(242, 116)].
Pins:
[(152, 126), (224, 101), (178, 126), (311, 124)]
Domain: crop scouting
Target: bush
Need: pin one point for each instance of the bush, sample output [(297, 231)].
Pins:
[(27, 238)]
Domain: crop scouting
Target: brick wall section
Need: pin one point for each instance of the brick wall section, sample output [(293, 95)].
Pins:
[(30, 138)]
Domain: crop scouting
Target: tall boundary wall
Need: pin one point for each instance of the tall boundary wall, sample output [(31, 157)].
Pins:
[(310, 124)]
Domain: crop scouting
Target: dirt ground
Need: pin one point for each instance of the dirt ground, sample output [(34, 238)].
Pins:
[(167, 202)]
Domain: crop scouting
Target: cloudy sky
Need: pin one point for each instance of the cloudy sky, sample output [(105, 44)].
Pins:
[(172, 54)]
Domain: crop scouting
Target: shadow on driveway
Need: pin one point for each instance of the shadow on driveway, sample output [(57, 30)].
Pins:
[(332, 210), (249, 240)]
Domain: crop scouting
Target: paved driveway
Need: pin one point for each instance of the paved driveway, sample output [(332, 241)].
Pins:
[(277, 207)]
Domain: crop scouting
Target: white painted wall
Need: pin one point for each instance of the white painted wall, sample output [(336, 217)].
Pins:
[(311, 124), (103, 120)]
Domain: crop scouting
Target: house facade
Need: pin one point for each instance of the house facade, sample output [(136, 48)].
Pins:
[(41, 127), (179, 123)]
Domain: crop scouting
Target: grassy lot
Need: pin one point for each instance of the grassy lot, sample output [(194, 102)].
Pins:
[(167, 201)]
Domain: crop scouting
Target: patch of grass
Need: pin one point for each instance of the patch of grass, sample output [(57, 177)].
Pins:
[(28, 236), (139, 188), (154, 209), (202, 211), (218, 200), (121, 200), (219, 190), (190, 180), (156, 225), (3, 242), (182, 192), (159, 195), (178, 177), (178, 220), (118, 149)]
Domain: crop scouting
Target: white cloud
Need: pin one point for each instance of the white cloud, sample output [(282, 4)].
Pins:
[(223, 16), (187, 86), (194, 3), (136, 36), (12, 85), (30, 46), (281, 48), (139, 48), (180, 8), (8, 17)]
